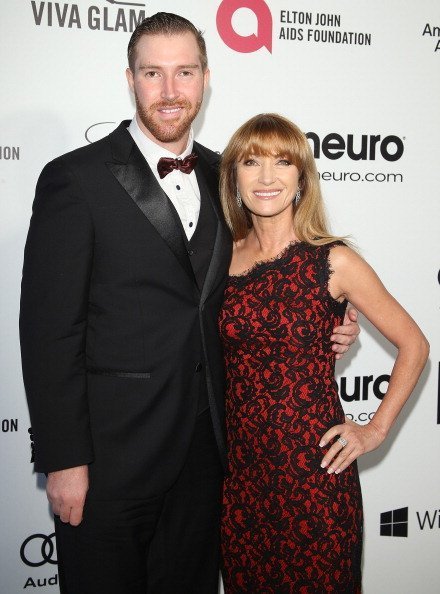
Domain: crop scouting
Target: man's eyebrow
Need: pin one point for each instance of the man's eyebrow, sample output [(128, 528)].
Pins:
[(157, 67)]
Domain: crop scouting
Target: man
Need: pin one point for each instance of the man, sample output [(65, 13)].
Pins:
[(124, 271)]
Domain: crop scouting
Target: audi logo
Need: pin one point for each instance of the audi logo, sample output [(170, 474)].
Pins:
[(34, 554)]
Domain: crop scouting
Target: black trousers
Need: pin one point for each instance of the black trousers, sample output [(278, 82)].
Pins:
[(168, 544)]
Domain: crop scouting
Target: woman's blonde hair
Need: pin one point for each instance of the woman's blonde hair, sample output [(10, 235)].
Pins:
[(269, 134)]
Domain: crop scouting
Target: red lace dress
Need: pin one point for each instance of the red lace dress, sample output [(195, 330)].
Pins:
[(288, 527)]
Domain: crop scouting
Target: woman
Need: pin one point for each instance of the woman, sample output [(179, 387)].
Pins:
[(292, 520)]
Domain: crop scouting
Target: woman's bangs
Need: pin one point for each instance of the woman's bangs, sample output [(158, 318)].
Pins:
[(271, 143)]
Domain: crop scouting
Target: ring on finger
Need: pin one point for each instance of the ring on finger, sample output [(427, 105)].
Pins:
[(342, 441)]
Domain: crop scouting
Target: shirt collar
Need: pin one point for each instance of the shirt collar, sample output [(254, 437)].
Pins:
[(153, 151)]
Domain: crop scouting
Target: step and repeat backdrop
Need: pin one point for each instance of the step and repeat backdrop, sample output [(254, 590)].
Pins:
[(362, 79)]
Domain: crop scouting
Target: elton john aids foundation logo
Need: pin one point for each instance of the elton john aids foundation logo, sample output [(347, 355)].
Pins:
[(245, 43)]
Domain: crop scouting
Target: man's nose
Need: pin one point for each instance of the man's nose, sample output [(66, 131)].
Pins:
[(169, 89)]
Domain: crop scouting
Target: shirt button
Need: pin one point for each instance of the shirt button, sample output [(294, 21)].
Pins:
[(178, 187), (190, 224)]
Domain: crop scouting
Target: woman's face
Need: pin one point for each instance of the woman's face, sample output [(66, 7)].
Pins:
[(267, 184)]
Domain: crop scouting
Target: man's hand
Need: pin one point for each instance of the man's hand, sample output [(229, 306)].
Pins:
[(66, 491), (344, 336)]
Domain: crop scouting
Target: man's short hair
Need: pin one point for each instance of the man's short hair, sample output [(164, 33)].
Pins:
[(165, 23)]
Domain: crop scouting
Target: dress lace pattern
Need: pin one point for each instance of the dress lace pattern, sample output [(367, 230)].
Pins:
[(288, 527)]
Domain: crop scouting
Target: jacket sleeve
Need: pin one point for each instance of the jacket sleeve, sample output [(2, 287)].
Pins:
[(53, 320)]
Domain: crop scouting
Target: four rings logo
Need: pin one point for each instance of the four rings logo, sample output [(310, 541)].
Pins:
[(39, 549)]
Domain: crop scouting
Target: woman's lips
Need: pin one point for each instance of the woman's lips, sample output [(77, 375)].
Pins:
[(267, 194)]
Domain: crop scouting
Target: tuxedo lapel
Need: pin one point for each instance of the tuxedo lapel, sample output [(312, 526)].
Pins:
[(219, 261), (207, 179), (135, 176)]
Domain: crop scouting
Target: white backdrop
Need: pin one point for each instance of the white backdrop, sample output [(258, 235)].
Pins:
[(366, 73)]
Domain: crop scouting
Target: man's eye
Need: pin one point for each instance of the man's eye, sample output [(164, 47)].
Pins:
[(186, 73), (151, 74)]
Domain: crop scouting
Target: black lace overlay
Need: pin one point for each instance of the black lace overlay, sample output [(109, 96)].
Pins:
[(288, 526)]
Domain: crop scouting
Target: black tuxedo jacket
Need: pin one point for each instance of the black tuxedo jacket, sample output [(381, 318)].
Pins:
[(116, 335)]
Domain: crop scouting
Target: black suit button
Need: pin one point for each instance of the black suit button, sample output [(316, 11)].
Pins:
[(191, 252), (198, 368)]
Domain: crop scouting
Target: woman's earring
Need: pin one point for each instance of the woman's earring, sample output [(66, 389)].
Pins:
[(238, 198), (297, 196)]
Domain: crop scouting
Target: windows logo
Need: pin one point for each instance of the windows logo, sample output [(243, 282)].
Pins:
[(394, 522)]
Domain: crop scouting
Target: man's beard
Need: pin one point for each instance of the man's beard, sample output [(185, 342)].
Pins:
[(170, 131)]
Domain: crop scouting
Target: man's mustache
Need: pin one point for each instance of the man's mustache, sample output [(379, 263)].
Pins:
[(170, 104)]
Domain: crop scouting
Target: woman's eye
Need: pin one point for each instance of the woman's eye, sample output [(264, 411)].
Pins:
[(284, 162)]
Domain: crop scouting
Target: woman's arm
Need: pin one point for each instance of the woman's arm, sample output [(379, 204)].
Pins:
[(355, 280)]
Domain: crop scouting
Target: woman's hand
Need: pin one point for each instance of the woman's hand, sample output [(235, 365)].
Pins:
[(353, 441)]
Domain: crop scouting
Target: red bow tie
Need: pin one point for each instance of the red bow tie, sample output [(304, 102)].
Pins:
[(167, 164)]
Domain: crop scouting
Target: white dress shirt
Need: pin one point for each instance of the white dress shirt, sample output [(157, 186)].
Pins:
[(181, 188)]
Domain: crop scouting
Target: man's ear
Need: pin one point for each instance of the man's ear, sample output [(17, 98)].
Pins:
[(206, 77), (130, 78)]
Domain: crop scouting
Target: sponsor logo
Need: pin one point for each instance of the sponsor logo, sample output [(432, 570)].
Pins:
[(324, 28), (237, 41), (9, 425), (361, 147), (362, 417), (99, 130), (95, 18), (356, 176), (309, 27), (432, 31), (40, 582), (366, 148), (428, 519), (39, 549), (396, 521), (361, 388), (9, 153)]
